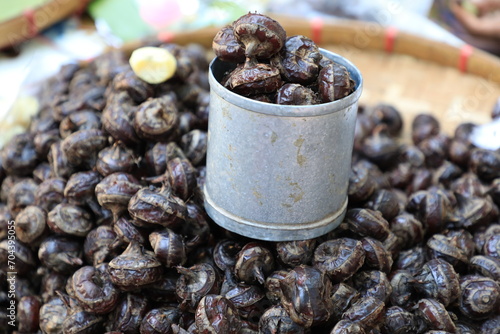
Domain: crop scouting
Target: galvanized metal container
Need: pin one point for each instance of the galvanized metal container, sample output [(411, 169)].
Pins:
[(278, 172)]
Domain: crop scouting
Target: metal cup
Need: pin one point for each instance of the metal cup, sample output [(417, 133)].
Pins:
[(278, 172)]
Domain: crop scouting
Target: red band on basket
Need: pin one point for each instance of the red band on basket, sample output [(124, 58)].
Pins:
[(316, 29), (390, 37), (465, 53), (29, 14), (165, 36), (82, 7)]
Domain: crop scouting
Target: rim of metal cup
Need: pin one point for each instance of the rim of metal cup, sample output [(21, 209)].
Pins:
[(286, 110)]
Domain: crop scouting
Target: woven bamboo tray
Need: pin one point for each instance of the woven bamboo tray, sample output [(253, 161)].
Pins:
[(414, 74), (33, 20)]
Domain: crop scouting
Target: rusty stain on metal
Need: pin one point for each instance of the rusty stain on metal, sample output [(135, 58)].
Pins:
[(274, 137), (298, 143)]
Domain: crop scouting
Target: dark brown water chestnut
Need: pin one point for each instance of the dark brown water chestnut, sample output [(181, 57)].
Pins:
[(386, 202), (424, 126), (447, 173), (129, 313), (402, 282), (69, 219), (388, 115), (159, 321), (94, 290), (376, 255), (468, 185), (334, 83), (156, 158), (196, 282), (261, 35), (343, 296), (294, 253), (60, 254), (116, 158), (49, 193), (254, 262), (347, 327), (182, 177), (459, 153), (194, 145), (82, 147), (134, 268), (295, 94), (368, 223), (80, 188), (399, 321), (168, 247), (247, 298), (471, 212), (487, 266), (253, 78), (437, 279), (361, 185), (98, 245), (77, 320), (479, 298), (298, 61), (80, 120), (368, 312), (157, 206), (277, 321), (306, 292), (485, 163), (42, 172), (31, 224), (21, 195), (50, 283), (52, 315), (411, 259), (216, 314), (373, 283), (115, 191), (435, 315), (227, 47), (272, 285), (225, 252), (408, 229), (156, 119), (446, 248), (28, 315), (126, 231), (19, 156), (128, 83), (117, 118), (43, 140), (339, 258), (432, 208), (435, 149)]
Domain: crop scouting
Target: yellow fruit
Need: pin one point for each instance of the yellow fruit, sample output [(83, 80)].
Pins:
[(152, 64)]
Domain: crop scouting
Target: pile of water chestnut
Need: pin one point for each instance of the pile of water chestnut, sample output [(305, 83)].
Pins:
[(104, 191), (274, 68)]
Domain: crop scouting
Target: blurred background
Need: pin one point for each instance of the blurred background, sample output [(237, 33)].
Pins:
[(38, 36)]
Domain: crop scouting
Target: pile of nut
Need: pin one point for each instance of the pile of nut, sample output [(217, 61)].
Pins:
[(275, 69), (111, 235)]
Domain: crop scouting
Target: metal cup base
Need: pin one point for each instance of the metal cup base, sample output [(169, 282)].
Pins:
[(273, 232)]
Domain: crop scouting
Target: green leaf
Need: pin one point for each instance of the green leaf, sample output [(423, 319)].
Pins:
[(122, 17)]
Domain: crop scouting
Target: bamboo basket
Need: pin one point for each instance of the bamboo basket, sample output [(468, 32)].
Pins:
[(412, 73), (34, 20)]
